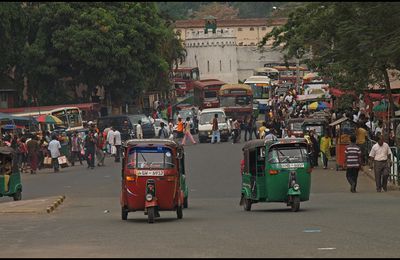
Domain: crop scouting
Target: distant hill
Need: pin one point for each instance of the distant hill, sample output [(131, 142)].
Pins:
[(188, 10)]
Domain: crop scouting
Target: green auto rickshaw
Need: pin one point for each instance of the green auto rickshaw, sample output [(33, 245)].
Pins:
[(276, 171), (10, 177)]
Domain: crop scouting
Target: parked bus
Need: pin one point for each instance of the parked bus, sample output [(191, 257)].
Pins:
[(262, 90), (206, 93), (186, 75), (237, 99), (289, 74), (71, 116)]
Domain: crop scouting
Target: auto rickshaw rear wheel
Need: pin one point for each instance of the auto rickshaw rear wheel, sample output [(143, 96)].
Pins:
[(179, 212), (247, 204), (17, 195), (185, 202), (124, 214), (295, 203)]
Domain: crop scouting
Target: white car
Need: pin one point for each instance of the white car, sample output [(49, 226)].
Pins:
[(205, 126)]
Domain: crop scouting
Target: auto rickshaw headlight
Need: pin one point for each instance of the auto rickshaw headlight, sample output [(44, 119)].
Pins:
[(296, 187), (149, 197)]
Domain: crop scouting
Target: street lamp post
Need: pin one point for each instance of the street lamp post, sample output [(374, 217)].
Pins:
[(297, 72)]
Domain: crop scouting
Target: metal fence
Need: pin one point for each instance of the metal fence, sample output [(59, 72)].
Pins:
[(394, 176)]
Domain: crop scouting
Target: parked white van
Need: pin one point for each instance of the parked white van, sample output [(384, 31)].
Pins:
[(205, 124)]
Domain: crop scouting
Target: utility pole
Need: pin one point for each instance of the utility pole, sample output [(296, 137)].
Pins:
[(297, 72)]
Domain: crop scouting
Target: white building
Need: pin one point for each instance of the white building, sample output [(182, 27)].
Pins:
[(231, 53), (214, 53)]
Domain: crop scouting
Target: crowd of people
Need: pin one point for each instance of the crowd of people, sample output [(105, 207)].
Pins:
[(55, 149)]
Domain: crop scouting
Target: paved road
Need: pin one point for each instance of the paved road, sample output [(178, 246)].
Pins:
[(334, 223)]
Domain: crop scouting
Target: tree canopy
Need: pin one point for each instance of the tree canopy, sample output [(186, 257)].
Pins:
[(127, 47), (354, 43)]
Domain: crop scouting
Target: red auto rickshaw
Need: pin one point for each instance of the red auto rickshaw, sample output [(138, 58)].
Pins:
[(153, 178)]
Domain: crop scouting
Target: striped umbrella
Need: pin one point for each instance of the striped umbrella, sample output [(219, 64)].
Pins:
[(49, 119)]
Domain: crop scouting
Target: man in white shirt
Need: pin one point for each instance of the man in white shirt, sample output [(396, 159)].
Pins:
[(139, 131), (54, 148), (380, 154), (289, 98), (110, 140), (117, 143)]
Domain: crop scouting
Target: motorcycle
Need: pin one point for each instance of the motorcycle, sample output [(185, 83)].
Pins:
[(236, 135)]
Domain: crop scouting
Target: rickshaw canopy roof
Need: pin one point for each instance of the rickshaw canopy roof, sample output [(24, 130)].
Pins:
[(339, 121), (260, 142), (295, 120), (151, 142), (318, 120)]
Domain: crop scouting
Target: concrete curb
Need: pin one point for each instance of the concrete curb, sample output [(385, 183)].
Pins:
[(55, 204), (371, 175)]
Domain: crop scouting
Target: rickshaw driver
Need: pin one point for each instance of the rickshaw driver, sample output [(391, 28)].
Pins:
[(6, 170)]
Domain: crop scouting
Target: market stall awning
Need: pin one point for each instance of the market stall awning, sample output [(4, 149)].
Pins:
[(309, 97), (338, 92)]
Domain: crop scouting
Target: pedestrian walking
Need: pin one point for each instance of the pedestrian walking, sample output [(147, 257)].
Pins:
[(186, 131), (110, 140), (90, 147), (325, 147), (361, 141), (352, 163), (163, 133), (33, 152), (171, 129), (117, 143), (261, 130), (139, 131), (215, 130), (250, 128), (54, 148), (380, 154), (179, 128), (76, 148), (236, 131), (100, 155)]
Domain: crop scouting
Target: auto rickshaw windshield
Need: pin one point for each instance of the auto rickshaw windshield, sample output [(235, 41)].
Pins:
[(316, 128), (285, 154), (150, 158)]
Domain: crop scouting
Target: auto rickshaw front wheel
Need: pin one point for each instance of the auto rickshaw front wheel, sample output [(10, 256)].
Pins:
[(17, 195), (295, 203), (247, 204), (151, 213)]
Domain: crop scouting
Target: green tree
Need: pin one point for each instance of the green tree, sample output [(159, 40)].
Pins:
[(126, 47), (355, 44), (13, 25)]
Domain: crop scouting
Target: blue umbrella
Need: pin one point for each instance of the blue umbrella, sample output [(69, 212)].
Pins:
[(321, 106)]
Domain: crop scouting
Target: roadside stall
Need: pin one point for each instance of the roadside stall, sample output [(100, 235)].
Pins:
[(343, 128)]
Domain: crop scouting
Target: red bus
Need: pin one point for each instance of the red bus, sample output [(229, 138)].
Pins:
[(184, 79), (289, 74), (206, 93), (237, 100)]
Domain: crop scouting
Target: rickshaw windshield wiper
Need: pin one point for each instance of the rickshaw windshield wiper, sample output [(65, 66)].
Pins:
[(143, 158)]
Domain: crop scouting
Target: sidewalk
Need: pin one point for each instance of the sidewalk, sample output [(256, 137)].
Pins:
[(370, 173)]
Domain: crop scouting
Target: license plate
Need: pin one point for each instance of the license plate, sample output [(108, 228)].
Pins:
[(292, 165), (150, 173)]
